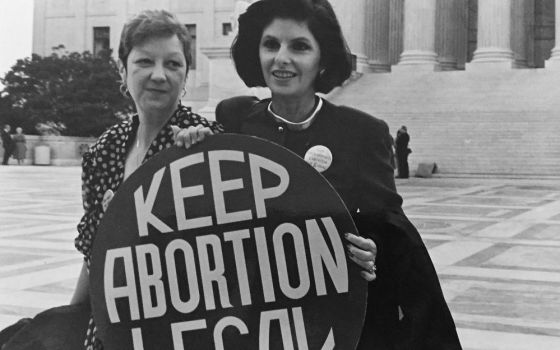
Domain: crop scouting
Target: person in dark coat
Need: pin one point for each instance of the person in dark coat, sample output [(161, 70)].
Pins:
[(296, 48), (402, 151), (7, 143)]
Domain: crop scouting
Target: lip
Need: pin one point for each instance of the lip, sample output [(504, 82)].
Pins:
[(283, 74), (159, 91)]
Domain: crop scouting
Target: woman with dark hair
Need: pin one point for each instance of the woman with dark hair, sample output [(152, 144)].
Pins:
[(296, 48), (154, 58)]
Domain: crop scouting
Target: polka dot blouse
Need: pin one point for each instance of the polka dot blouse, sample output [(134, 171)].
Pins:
[(103, 170)]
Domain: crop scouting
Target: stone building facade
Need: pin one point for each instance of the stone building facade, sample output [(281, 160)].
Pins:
[(477, 82), (92, 25), (448, 34)]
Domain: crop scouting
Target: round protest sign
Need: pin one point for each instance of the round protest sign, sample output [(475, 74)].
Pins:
[(236, 243)]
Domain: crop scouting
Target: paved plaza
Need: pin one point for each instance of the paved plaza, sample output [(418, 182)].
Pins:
[(495, 244)]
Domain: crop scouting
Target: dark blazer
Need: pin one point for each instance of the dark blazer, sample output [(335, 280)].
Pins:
[(362, 175), (7, 141), (402, 143)]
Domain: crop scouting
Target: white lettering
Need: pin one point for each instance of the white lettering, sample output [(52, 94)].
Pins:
[(144, 207), (261, 194), (301, 261), (177, 330), (264, 265), (127, 291), (207, 275), (320, 254), (301, 335), (180, 192), (236, 238), (153, 280), (265, 324), (220, 186), (192, 279), (137, 341), (228, 321)]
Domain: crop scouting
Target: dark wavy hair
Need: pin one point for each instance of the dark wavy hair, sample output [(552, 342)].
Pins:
[(323, 24), (153, 24)]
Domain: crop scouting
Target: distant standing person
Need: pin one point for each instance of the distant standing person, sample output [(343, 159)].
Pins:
[(7, 143), (402, 150), (20, 146)]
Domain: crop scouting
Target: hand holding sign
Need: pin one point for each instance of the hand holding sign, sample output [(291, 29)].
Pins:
[(233, 244), (191, 135), (363, 252)]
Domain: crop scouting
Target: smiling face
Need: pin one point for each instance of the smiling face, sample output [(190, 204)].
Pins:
[(290, 58), (155, 75)]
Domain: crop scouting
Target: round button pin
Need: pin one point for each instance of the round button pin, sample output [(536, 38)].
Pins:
[(319, 157)]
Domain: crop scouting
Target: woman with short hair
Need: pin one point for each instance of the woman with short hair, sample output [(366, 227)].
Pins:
[(154, 59)]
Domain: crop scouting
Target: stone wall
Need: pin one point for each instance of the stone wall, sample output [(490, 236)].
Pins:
[(64, 150)]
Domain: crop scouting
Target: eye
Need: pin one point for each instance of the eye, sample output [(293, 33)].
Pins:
[(270, 44), (143, 62), (301, 46), (174, 64)]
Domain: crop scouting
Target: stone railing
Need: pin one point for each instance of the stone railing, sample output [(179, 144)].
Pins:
[(62, 150)]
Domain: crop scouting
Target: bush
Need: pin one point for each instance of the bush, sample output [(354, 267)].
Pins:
[(78, 90)]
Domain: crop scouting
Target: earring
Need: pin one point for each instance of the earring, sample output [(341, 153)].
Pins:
[(182, 95), (321, 72), (124, 90)]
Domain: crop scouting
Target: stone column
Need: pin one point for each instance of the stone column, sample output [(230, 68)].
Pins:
[(494, 34), (395, 30), (222, 77), (451, 27), (352, 17), (521, 20), (419, 35), (377, 35), (207, 31), (39, 13), (554, 60)]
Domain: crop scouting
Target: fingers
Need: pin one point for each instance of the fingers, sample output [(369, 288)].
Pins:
[(362, 242), (366, 264), (363, 252), (107, 197), (368, 272), (175, 130), (368, 276), (191, 135), (360, 254)]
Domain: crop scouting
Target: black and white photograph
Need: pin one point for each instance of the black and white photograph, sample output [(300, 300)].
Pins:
[(280, 174)]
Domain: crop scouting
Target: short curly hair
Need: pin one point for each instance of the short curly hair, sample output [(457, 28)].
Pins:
[(153, 24), (323, 24)]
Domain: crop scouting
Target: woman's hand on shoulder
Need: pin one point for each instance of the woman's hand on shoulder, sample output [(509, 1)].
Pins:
[(191, 135), (363, 252)]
